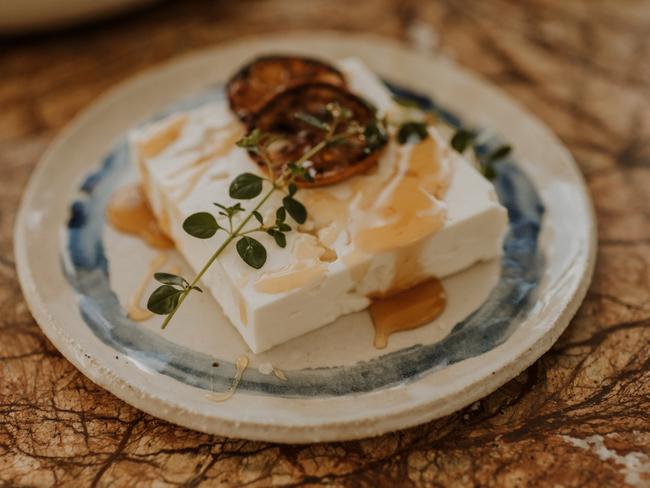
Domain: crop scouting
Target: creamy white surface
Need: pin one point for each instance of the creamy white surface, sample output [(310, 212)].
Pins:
[(473, 230)]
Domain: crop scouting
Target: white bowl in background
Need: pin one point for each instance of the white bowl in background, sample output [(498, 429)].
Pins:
[(29, 15)]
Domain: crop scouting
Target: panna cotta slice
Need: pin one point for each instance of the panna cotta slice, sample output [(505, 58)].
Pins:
[(422, 212)]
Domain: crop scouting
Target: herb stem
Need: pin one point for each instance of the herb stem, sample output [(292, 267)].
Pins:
[(314, 150), (252, 231), (286, 179), (216, 254)]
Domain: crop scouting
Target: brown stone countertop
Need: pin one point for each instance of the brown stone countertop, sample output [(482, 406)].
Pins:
[(580, 416)]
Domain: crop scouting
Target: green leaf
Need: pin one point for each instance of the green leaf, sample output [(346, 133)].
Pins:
[(412, 131), (292, 189), (375, 135), (488, 171), (307, 176), (280, 239), (170, 279), (462, 139), (197, 289), (406, 102), (230, 211), (251, 251), (258, 216), (201, 225), (339, 141), (283, 227), (345, 113), (246, 186), (251, 140), (164, 300), (298, 171), (312, 120), (296, 209), (280, 215), (499, 153)]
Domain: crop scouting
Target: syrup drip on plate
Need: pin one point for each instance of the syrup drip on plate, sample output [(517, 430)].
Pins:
[(241, 364), (129, 212), (134, 311), (406, 310)]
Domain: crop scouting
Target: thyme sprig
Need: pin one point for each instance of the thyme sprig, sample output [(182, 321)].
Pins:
[(487, 160), (168, 298), (460, 141)]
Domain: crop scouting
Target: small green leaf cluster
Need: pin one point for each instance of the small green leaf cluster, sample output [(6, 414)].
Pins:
[(460, 141), (375, 135), (412, 132), (166, 297), (247, 186), (299, 172), (278, 230), (253, 140), (463, 138)]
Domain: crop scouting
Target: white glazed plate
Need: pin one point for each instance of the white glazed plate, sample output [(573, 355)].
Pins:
[(501, 316)]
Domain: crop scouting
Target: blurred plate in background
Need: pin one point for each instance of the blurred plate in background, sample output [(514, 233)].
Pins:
[(29, 15)]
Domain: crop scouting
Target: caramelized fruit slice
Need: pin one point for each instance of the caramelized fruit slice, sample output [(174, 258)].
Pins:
[(263, 78), (336, 162)]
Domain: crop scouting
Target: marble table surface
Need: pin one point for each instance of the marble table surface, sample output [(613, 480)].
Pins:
[(580, 416)]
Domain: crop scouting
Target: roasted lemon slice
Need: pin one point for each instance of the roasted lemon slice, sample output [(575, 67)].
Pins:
[(303, 116), (263, 78)]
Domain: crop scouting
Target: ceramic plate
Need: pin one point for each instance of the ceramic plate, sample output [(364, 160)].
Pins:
[(77, 272)]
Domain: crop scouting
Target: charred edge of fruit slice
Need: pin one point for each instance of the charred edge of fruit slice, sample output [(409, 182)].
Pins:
[(257, 82), (332, 164)]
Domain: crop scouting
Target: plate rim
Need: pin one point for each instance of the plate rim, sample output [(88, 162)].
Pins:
[(175, 412)]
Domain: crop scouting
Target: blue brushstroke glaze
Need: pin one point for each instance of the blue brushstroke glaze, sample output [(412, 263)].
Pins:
[(425, 103), (487, 327)]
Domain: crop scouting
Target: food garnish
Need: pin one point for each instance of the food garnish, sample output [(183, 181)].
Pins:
[(263, 78), (304, 116), (337, 126), (304, 130)]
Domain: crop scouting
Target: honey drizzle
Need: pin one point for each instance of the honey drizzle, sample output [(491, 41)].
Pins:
[(407, 310), (294, 276), (128, 211), (411, 211), (134, 311), (241, 364), (201, 165), (218, 149), (166, 135), (279, 374), (243, 311)]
